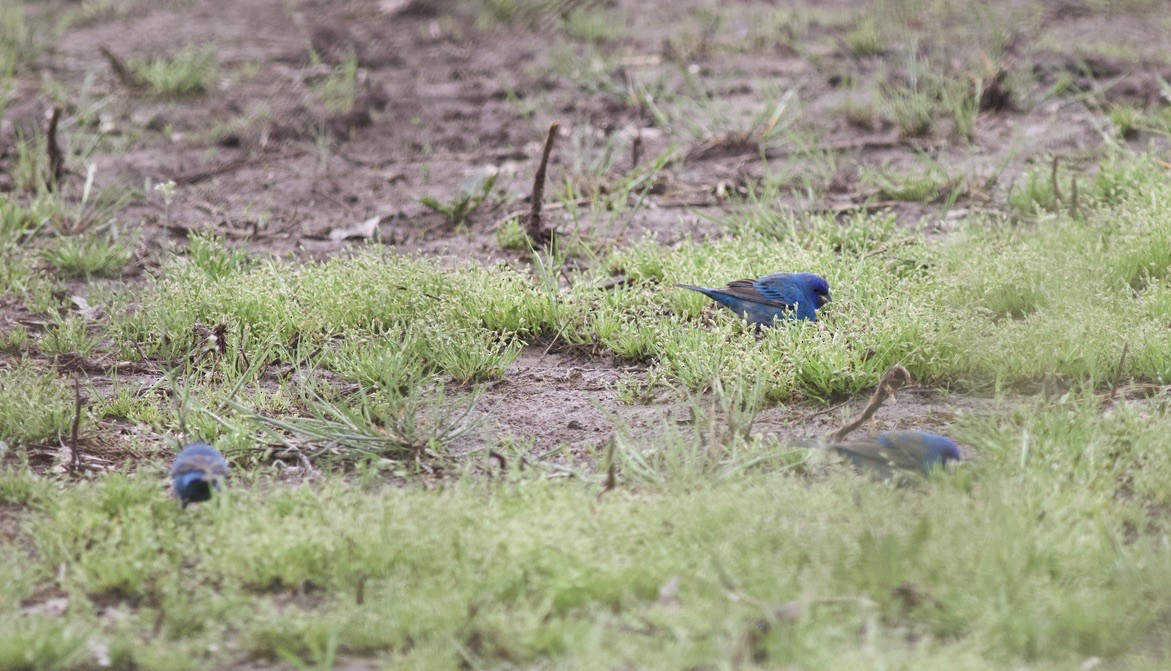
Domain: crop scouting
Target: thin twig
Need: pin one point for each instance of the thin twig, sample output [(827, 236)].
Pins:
[(1118, 370), (360, 589), (1056, 186), (611, 474), (124, 74), (53, 149), (824, 411), (537, 232), (493, 454), (75, 452), (896, 377), (204, 175), (186, 179)]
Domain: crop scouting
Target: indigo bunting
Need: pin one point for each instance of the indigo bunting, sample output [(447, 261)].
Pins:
[(198, 469), (905, 450), (772, 297)]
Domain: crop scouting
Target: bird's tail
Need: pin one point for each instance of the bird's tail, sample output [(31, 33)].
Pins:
[(819, 443), (703, 290)]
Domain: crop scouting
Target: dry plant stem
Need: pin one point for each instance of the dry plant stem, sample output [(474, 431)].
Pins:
[(611, 472), (1053, 177), (895, 378), (1118, 370), (500, 460), (123, 73), (74, 452), (246, 161), (53, 149), (535, 228), (360, 589)]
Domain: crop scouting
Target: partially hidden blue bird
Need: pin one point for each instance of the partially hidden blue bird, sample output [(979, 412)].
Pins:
[(901, 450), (772, 298), (198, 470)]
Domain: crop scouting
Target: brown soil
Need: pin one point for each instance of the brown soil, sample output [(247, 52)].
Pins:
[(443, 95)]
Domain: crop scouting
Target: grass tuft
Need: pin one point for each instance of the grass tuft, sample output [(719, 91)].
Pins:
[(36, 406), (88, 256), (191, 71)]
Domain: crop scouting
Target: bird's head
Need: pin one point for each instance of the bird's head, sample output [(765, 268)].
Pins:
[(941, 449), (817, 287)]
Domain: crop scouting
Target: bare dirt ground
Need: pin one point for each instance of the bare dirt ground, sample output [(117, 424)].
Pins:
[(444, 93)]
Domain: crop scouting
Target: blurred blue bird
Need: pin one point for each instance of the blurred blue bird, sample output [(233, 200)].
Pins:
[(773, 297), (902, 450), (198, 469)]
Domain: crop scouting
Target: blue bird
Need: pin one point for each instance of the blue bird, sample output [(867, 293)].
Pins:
[(197, 470), (904, 450), (773, 297)]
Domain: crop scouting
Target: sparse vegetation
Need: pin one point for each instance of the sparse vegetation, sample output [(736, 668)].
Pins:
[(35, 405), (864, 39), (338, 89), (472, 193), (911, 109), (451, 447), (88, 256), (191, 71)]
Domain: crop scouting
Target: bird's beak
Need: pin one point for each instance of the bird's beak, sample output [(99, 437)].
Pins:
[(823, 299)]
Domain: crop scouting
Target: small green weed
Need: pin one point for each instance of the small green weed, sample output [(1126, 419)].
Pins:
[(88, 256), (338, 89), (864, 38), (191, 71), (472, 193), (511, 235)]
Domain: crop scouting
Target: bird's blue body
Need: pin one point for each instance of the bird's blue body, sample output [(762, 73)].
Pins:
[(772, 298), (198, 469), (904, 450)]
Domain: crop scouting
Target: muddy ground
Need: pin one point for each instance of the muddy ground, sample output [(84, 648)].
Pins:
[(449, 90)]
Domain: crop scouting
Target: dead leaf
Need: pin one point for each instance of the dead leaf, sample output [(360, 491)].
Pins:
[(749, 647), (366, 229), (913, 595), (393, 7), (84, 309), (54, 607), (100, 652), (63, 459), (790, 611), (669, 593)]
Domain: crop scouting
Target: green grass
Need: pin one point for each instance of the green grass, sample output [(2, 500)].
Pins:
[(927, 186), (864, 38), (1000, 560), (36, 405), (338, 89), (380, 511), (987, 567), (911, 109), (88, 256), (995, 305), (592, 25), (191, 71)]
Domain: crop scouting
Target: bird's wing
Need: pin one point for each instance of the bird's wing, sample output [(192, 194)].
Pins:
[(780, 288), (904, 449), (204, 463), (866, 454), (751, 290)]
